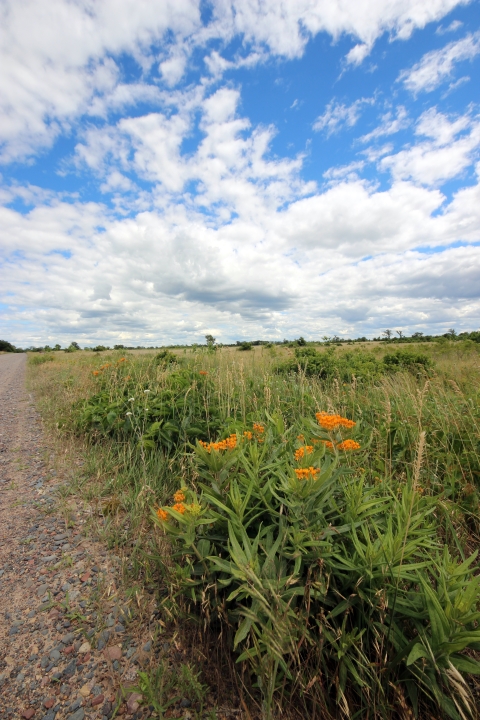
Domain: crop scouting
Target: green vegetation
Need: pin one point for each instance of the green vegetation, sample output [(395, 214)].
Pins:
[(315, 509)]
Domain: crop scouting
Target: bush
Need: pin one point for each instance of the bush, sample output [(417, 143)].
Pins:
[(5, 346), (244, 345), (321, 579), (328, 364), (406, 360), (165, 358)]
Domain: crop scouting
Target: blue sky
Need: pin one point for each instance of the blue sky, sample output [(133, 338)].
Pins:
[(246, 168)]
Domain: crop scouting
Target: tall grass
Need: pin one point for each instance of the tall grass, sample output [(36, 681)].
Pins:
[(412, 499)]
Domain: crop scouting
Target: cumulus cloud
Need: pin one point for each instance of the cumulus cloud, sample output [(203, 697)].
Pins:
[(390, 124), (438, 66), (447, 153)]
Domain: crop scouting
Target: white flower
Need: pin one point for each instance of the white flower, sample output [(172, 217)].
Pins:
[(129, 413), (146, 391), (131, 399)]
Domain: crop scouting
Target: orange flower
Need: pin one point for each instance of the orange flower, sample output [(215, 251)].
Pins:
[(258, 428), (248, 435), (128, 377), (306, 473), (348, 445), (203, 372), (328, 444), (179, 496), (179, 507), (162, 515), (122, 360), (229, 443), (301, 452), (331, 422), (96, 372), (300, 437)]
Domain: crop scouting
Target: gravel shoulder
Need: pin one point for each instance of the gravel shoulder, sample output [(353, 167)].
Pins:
[(67, 633)]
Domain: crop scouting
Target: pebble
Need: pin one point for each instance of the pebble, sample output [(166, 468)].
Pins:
[(113, 652), (78, 715), (42, 590), (147, 647), (55, 655)]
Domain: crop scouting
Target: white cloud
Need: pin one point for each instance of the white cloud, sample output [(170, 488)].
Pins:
[(57, 59), (438, 65), (338, 115), (453, 27), (390, 124), (444, 156)]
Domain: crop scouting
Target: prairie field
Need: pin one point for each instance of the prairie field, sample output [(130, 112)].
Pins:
[(308, 517)]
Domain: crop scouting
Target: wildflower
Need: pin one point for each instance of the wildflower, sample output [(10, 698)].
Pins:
[(328, 444), (348, 445), (306, 473), (301, 438), (128, 377), (258, 428), (298, 455), (248, 435), (331, 422), (203, 372), (179, 496), (131, 399), (179, 507), (129, 413), (147, 391), (122, 360), (162, 515), (96, 372), (228, 444)]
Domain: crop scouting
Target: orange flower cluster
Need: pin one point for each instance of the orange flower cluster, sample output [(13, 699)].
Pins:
[(179, 507), (299, 454), (122, 360), (203, 372), (328, 444), (96, 372), (103, 367), (331, 422), (229, 444), (306, 473), (248, 435), (348, 445), (179, 496), (257, 428), (162, 514), (301, 437)]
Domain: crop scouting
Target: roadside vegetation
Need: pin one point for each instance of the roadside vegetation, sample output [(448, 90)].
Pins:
[(307, 515)]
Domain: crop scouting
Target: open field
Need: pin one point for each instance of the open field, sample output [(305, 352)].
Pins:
[(323, 556)]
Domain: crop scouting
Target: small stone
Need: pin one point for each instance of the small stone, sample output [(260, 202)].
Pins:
[(133, 703), (68, 638), (49, 703), (98, 700), (85, 691), (113, 652), (116, 665), (45, 661), (42, 590), (78, 715), (50, 715), (31, 614), (70, 669), (29, 713), (109, 622), (101, 644), (147, 647), (55, 655), (119, 629), (185, 703), (85, 576), (84, 648), (107, 708), (69, 650), (131, 651)]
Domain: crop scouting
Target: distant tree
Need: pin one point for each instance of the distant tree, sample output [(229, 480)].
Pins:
[(301, 341), (400, 333), (119, 347), (57, 347), (6, 346), (210, 340), (244, 345), (451, 333), (388, 334), (417, 335)]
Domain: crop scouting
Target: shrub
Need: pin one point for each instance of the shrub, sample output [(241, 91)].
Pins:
[(244, 345), (165, 358), (328, 364), (406, 360), (5, 346), (324, 584)]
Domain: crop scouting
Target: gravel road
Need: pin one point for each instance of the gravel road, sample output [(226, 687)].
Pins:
[(67, 633)]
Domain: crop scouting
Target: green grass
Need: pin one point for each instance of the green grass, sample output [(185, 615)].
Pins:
[(352, 594)]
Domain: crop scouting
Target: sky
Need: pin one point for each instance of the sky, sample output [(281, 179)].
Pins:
[(250, 169)]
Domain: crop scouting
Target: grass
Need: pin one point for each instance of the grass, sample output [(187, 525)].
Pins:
[(376, 617)]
